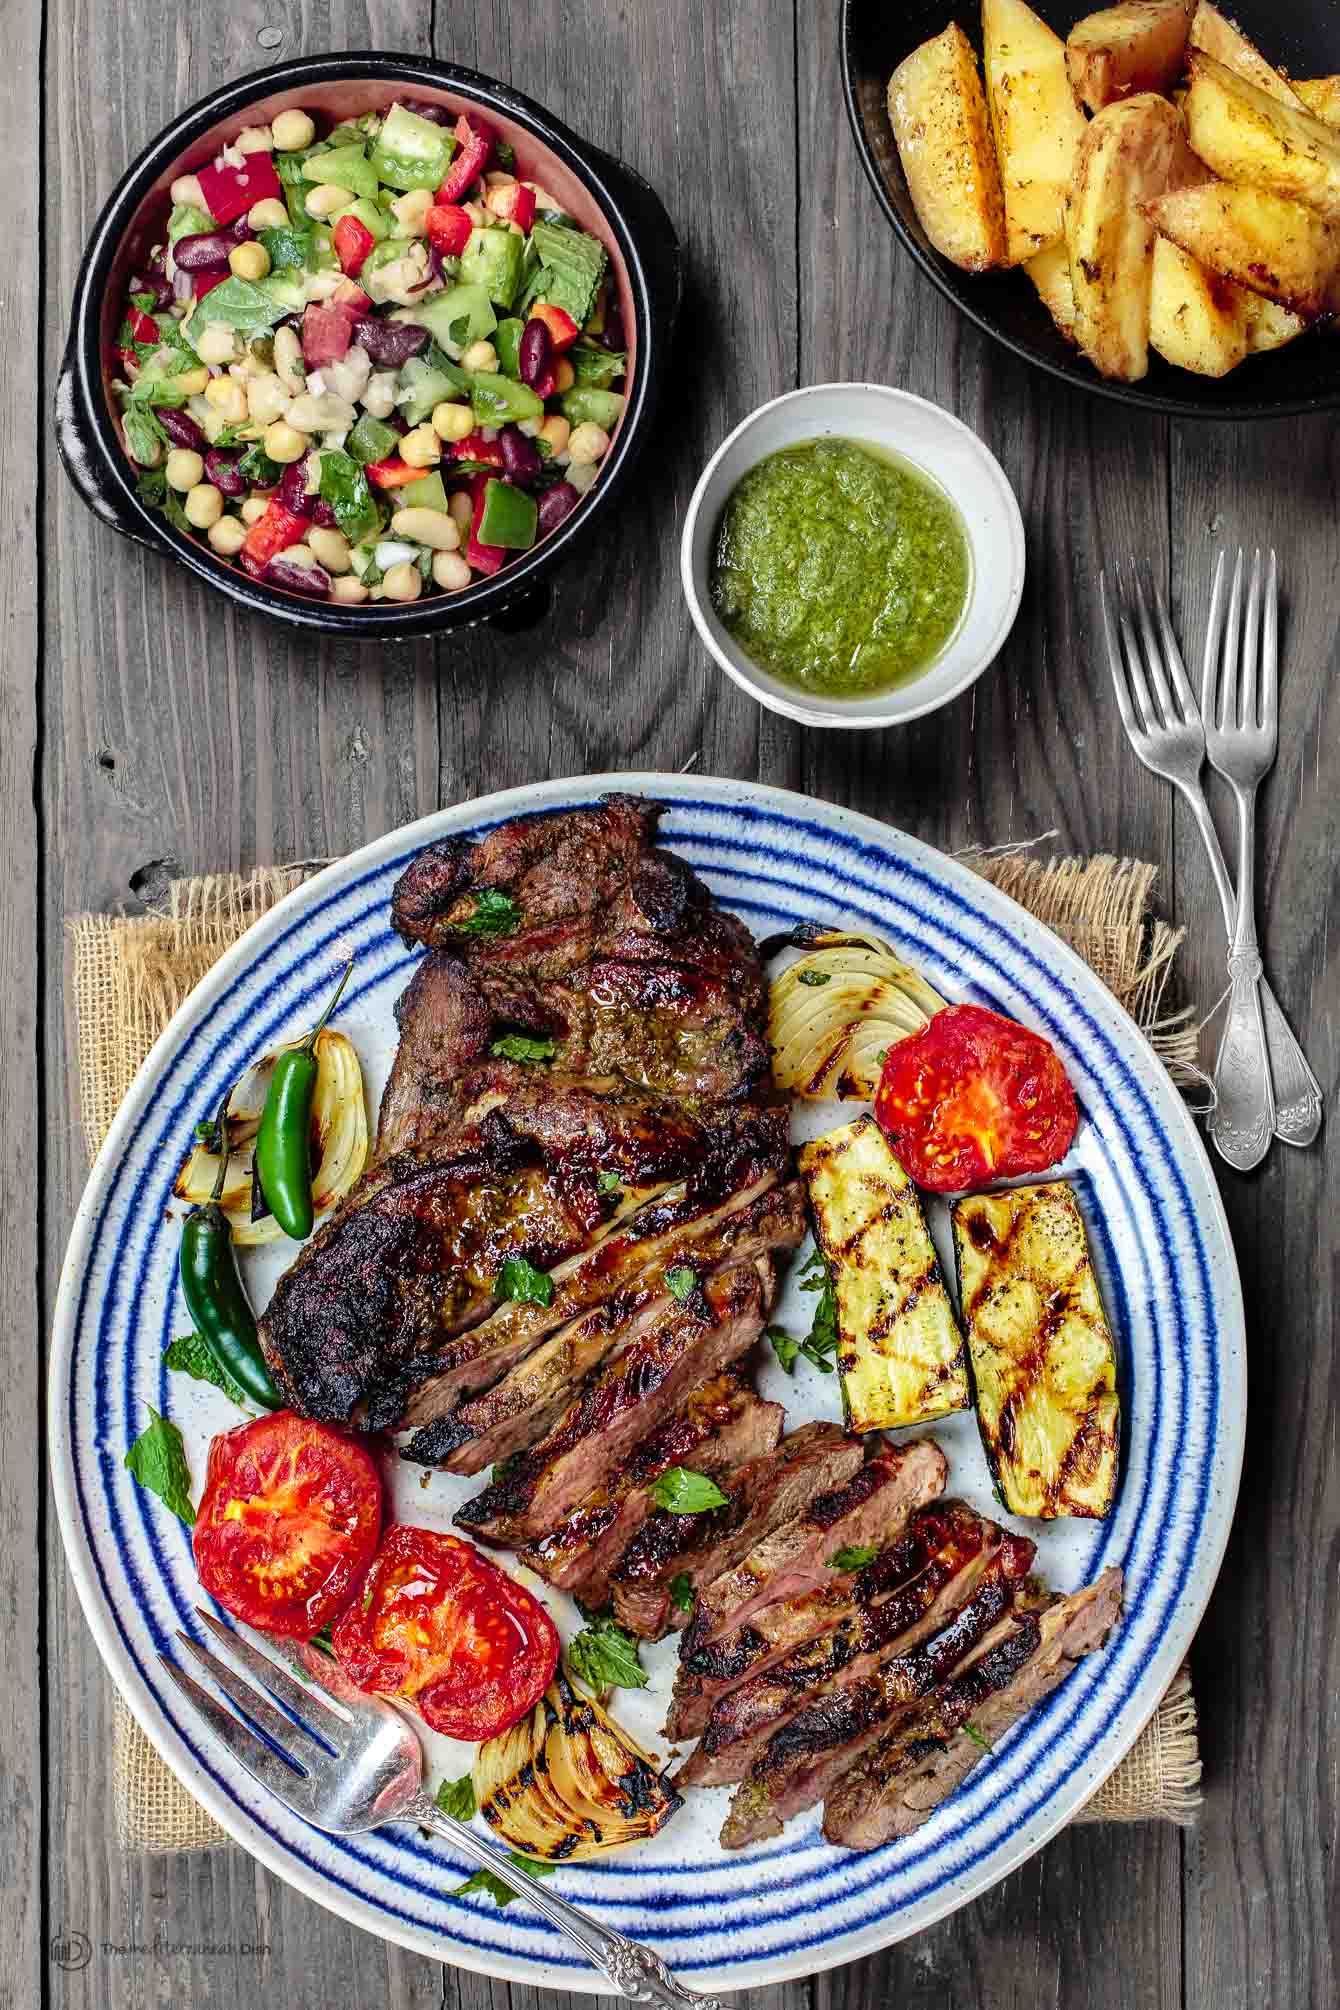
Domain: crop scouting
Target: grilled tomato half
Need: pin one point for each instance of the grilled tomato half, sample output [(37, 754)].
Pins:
[(972, 1097), (443, 1629), (288, 1523)]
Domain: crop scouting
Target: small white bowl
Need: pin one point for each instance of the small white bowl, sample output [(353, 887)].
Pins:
[(933, 440)]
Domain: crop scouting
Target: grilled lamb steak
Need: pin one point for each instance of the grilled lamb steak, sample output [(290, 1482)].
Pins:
[(903, 1778), (870, 1507), (631, 1393), (721, 1425), (804, 1757), (763, 1495)]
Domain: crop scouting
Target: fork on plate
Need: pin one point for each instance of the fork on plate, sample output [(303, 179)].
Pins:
[(347, 1762), (1262, 1079)]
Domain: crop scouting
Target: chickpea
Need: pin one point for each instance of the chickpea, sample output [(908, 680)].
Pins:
[(254, 140), (348, 590), (253, 509), (451, 571), (476, 213), (403, 582), (288, 360), (267, 214), (411, 211), (184, 469), (249, 261), (283, 443), (588, 443), (266, 398), (330, 548), (564, 375), (227, 536), (292, 131), (228, 398), (583, 475), (480, 356), (421, 448), (453, 422), (192, 382), (186, 188), (217, 342), (555, 430), (461, 511), (499, 178), (426, 526), (325, 199), (203, 506)]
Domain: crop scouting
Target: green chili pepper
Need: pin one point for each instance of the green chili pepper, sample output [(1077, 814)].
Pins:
[(283, 1143), (214, 1295)]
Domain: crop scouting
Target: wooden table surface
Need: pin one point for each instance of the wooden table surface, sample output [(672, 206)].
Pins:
[(146, 730)]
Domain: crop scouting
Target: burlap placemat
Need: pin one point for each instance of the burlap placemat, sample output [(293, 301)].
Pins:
[(130, 973)]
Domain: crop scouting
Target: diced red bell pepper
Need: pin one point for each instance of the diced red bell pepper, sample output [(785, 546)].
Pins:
[(392, 473), (350, 294), (449, 228), (485, 558), (272, 533), (474, 143), (563, 330), (327, 331), (353, 241), (515, 204), (474, 447), (231, 191), (207, 278), (143, 328)]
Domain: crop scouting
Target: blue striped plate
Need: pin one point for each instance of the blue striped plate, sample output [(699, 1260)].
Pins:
[(1165, 1263)]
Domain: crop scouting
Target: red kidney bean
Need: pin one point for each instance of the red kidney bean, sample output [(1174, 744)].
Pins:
[(535, 352), (323, 514), (555, 504), (389, 343), (293, 488), (613, 337), (206, 248), (221, 468), (181, 429), (154, 284), (398, 423), (241, 231), (521, 462), (297, 576), (438, 115)]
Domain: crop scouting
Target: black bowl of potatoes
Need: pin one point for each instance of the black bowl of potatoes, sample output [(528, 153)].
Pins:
[(1144, 201)]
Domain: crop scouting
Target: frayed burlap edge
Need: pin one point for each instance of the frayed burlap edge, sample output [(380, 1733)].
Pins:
[(130, 974)]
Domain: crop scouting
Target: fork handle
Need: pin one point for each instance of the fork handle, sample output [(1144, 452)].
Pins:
[(1244, 1114), (634, 1970)]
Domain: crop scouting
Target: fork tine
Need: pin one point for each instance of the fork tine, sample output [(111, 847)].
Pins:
[(1251, 645), (261, 1760), (1153, 657), (1270, 669), (1232, 652), (308, 1704), (1135, 671), (253, 1701), (1172, 659), (1114, 662), (1209, 681)]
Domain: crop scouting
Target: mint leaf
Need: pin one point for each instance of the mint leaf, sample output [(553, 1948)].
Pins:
[(257, 466), (814, 978), (681, 1591), (495, 914), (603, 1656), (190, 1354), (681, 1282), (784, 1345), (144, 436), (290, 249), (154, 493), (855, 1557), (680, 1490), (157, 1459), (520, 1281), (520, 1047), (488, 1881), (345, 487), (457, 1797), (971, 1731), (596, 369), (608, 1182)]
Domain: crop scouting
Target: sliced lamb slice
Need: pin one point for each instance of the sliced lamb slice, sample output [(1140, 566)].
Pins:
[(834, 1612), (876, 1630), (666, 1233), (722, 1424), (444, 1028), (763, 1494), (632, 1393), (814, 1748), (518, 1410), (868, 1508), (904, 1777)]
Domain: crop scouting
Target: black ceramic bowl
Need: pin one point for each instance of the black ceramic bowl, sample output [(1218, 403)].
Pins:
[(603, 195), (1302, 38)]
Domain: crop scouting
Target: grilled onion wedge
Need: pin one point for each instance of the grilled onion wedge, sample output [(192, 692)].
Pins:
[(833, 1014), (1043, 1361), (339, 1139), (566, 1782), (900, 1352)]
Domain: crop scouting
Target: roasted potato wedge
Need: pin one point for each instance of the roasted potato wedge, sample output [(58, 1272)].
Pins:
[(939, 119), (1245, 135), (1263, 241), (1120, 51), (1129, 153), (1267, 325), (1036, 121), (1196, 319), (1321, 95), (1217, 36), (1049, 271)]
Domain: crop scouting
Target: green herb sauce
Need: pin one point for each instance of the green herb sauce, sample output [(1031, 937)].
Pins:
[(839, 568)]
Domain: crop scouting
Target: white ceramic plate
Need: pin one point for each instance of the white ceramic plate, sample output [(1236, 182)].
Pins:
[(794, 1905)]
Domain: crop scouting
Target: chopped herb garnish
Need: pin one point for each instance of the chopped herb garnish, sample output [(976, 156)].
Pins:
[(604, 1657), (682, 1491), (971, 1731), (814, 977), (457, 1798), (206, 1134), (521, 1281), (157, 1459), (608, 1182), (154, 493), (494, 914), (681, 1591), (681, 1282), (520, 1047), (488, 1881), (257, 466), (323, 1642), (820, 1344), (855, 1557), (191, 1355)]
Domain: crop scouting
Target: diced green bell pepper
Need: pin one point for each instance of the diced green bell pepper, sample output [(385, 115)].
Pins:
[(495, 400), (370, 440), (427, 493), (585, 406), (343, 167), (509, 517), (492, 259), (507, 342)]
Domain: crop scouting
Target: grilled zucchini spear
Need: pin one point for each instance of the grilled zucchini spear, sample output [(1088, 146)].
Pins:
[(1042, 1355), (900, 1352)]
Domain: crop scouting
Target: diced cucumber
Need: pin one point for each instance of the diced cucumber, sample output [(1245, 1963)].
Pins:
[(457, 317), (385, 253), (428, 493), (492, 259), (370, 214), (411, 152), (343, 167), (586, 406), (495, 400), (370, 440)]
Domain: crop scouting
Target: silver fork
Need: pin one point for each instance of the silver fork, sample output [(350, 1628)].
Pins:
[(346, 1762), (1159, 713)]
